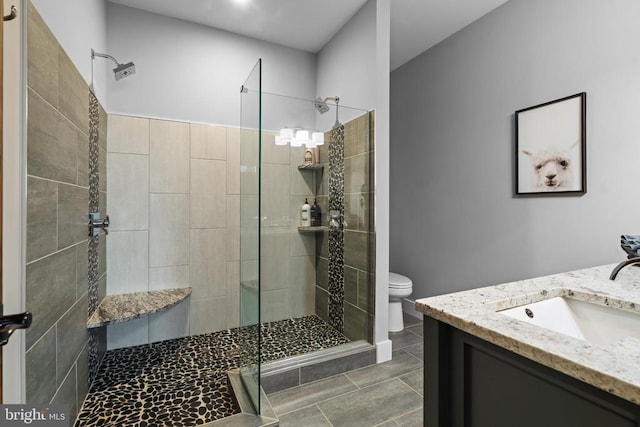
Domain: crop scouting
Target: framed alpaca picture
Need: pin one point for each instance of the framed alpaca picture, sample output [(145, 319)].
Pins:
[(551, 148)]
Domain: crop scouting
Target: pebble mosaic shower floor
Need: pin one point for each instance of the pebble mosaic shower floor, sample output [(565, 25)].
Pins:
[(183, 382)]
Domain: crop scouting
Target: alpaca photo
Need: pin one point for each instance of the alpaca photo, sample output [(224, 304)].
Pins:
[(550, 155), (552, 170)]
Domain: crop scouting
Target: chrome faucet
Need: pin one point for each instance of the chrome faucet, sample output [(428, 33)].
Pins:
[(622, 265)]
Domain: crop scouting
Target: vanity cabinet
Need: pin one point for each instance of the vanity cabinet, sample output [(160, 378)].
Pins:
[(473, 383)]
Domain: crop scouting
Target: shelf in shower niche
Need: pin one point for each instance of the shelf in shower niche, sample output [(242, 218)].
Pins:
[(311, 166), (313, 229), (122, 307)]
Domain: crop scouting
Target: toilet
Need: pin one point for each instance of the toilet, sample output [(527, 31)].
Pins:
[(399, 287)]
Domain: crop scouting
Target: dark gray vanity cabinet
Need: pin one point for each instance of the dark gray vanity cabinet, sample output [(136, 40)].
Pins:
[(472, 383)]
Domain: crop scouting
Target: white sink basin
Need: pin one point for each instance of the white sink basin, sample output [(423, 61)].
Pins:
[(597, 324)]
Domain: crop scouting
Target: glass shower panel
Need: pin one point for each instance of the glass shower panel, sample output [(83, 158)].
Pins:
[(317, 275), (250, 142)]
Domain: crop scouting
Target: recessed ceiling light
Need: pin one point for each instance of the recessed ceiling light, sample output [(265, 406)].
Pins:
[(242, 3)]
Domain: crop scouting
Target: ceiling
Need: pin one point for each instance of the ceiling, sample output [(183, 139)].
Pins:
[(416, 25)]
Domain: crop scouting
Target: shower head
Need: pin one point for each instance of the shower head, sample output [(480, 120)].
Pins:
[(124, 70), (321, 105), (121, 71)]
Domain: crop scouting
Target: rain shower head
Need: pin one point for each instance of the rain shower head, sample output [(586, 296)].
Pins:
[(321, 105), (121, 71), (124, 70)]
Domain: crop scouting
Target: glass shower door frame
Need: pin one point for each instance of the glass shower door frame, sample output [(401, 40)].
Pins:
[(250, 214)]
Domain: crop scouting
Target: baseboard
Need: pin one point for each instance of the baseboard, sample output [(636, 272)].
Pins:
[(409, 307)]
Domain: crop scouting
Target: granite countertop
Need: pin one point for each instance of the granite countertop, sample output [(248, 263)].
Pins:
[(614, 368), (122, 307)]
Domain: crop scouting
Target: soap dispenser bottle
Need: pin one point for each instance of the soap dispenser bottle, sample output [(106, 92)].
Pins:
[(316, 214), (305, 217)]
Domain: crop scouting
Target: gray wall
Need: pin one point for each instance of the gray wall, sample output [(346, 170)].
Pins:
[(79, 26), (346, 64), (190, 72), (454, 221)]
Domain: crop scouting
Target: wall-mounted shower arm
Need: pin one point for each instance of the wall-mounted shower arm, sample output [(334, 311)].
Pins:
[(103, 55), (121, 71)]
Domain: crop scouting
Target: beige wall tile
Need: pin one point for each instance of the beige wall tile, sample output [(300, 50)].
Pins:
[(302, 182), (275, 194), (71, 336), (40, 369), (248, 162), (73, 214), (128, 334), (128, 191), (356, 171), (274, 305), (208, 263), (66, 394), (127, 262), (233, 294), (170, 323), (50, 291), (233, 228), (272, 153), (73, 102), (233, 161), (42, 51), (302, 278), (168, 277), (127, 134), (248, 270), (168, 230), (168, 156), (53, 143), (42, 214), (208, 193), (296, 157), (208, 142), (208, 315), (248, 227), (275, 258)]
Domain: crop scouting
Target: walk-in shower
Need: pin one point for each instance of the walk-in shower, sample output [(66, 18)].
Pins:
[(318, 279), (271, 303)]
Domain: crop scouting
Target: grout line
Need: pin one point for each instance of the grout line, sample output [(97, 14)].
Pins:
[(324, 415), (57, 251), (57, 182)]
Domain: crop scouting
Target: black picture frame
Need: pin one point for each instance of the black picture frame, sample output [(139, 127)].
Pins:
[(550, 149)]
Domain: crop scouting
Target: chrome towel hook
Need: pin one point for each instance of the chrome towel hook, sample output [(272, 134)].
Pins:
[(12, 15)]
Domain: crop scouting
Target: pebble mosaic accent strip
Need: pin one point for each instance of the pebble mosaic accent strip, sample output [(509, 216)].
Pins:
[(183, 381), (94, 200), (336, 237)]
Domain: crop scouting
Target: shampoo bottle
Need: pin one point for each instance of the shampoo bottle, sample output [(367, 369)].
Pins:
[(305, 217), (316, 214)]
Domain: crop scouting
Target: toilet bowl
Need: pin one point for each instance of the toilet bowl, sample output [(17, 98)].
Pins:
[(399, 287)]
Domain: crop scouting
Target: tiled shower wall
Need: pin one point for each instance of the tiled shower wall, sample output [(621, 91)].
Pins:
[(57, 207), (174, 205), (358, 235), (288, 256)]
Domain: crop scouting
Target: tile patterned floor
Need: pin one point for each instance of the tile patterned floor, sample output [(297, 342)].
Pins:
[(183, 381), (388, 394)]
